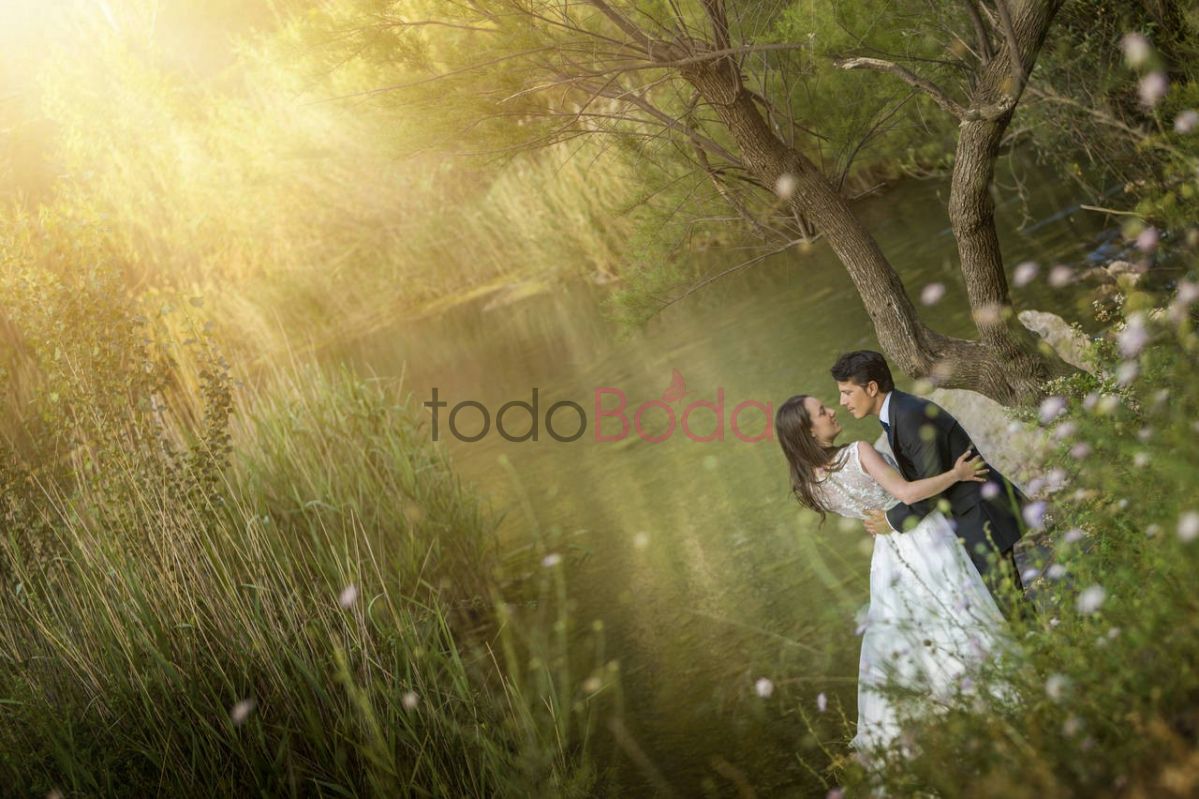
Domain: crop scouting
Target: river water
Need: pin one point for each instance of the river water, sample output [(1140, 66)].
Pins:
[(704, 572)]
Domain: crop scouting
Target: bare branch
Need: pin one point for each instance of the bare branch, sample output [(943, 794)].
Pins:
[(1013, 46), (935, 92), (985, 51)]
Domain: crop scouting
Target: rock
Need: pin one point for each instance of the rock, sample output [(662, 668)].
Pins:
[(1071, 346)]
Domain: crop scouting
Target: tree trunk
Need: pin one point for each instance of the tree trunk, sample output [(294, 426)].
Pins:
[(995, 366), (972, 210)]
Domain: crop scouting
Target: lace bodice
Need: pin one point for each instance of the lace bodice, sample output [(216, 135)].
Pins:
[(850, 491)]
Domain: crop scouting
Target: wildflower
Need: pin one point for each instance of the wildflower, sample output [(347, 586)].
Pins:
[(1127, 373), (1029, 574), (1025, 273), (1091, 599), (1073, 536), (241, 711), (989, 490), (835, 793), (785, 186), (1136, 49), (1056, 572), (1133, 338), (1153, 88), (1153, 531), (1064, 430), (1188, 526), (1148, 239), (821, 702), (409, 700), (592, 684), (1061, 275), (1072, 726), (764, 687), (1056, 686), (1090, 400), (1141, 460), (551, 560), (1186, 121), (932, 293), (1144, 434), (348, 596), (1034, 514), (1051, 408), (1107, 404)]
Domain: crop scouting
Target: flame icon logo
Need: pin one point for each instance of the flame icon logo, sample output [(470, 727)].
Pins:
[(677, 388)]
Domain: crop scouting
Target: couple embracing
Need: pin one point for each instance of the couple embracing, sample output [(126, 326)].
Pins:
[(944, 524)]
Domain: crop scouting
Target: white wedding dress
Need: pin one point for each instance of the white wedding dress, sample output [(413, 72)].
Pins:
[(931, 620)]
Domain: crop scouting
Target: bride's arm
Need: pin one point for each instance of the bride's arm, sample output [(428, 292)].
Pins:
[(967, 467)]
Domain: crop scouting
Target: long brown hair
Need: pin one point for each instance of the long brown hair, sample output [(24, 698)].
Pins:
[(793, 426)]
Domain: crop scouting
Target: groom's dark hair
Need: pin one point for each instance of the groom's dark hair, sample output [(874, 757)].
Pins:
[(862, 366)]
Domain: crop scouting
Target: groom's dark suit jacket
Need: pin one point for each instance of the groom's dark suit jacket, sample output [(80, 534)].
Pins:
[(926, 441)]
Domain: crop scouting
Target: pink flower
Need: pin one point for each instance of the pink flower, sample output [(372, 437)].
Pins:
[(932, 293), (1025, 273), (1051, 408), (1153, 88), (1060, 276), (1133, 338), (1186, 121), (1147, 239)]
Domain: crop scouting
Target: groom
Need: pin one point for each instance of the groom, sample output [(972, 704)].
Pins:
[(926, 441)]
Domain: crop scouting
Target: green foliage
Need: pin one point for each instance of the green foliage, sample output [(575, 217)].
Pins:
[(1105, 674)]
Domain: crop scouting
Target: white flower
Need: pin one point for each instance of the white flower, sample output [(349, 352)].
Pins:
[(1091, 599), (932, 293), (1034, 514), (1080, 450), (409, 700), (1133, 337), (551, 560), (1136, 49), (1073, 536), (348, 595), (1056, 572), (241, 711), (1127, 373), (1141, 460), (1051, 408), (1025, 273), (592, 684), (1186, 121), (1029, 574), (1064, 430), (1060, 276), (1148, 239), (1153, 88), (1188, 526), (821, 702), (1056, 686), (1153, 531), (785, 186), (763, 687)]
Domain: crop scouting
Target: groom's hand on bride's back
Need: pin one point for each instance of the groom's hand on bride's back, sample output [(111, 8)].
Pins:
[(877, 524)]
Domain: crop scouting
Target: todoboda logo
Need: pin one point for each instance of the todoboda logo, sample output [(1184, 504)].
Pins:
[(567, 421)]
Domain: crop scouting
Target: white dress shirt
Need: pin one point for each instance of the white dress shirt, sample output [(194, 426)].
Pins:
[(883, 412)]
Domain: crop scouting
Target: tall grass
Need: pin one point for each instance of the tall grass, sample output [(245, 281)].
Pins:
[(273, 589)]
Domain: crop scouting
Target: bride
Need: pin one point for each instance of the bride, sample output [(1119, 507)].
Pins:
[(931, 619)]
